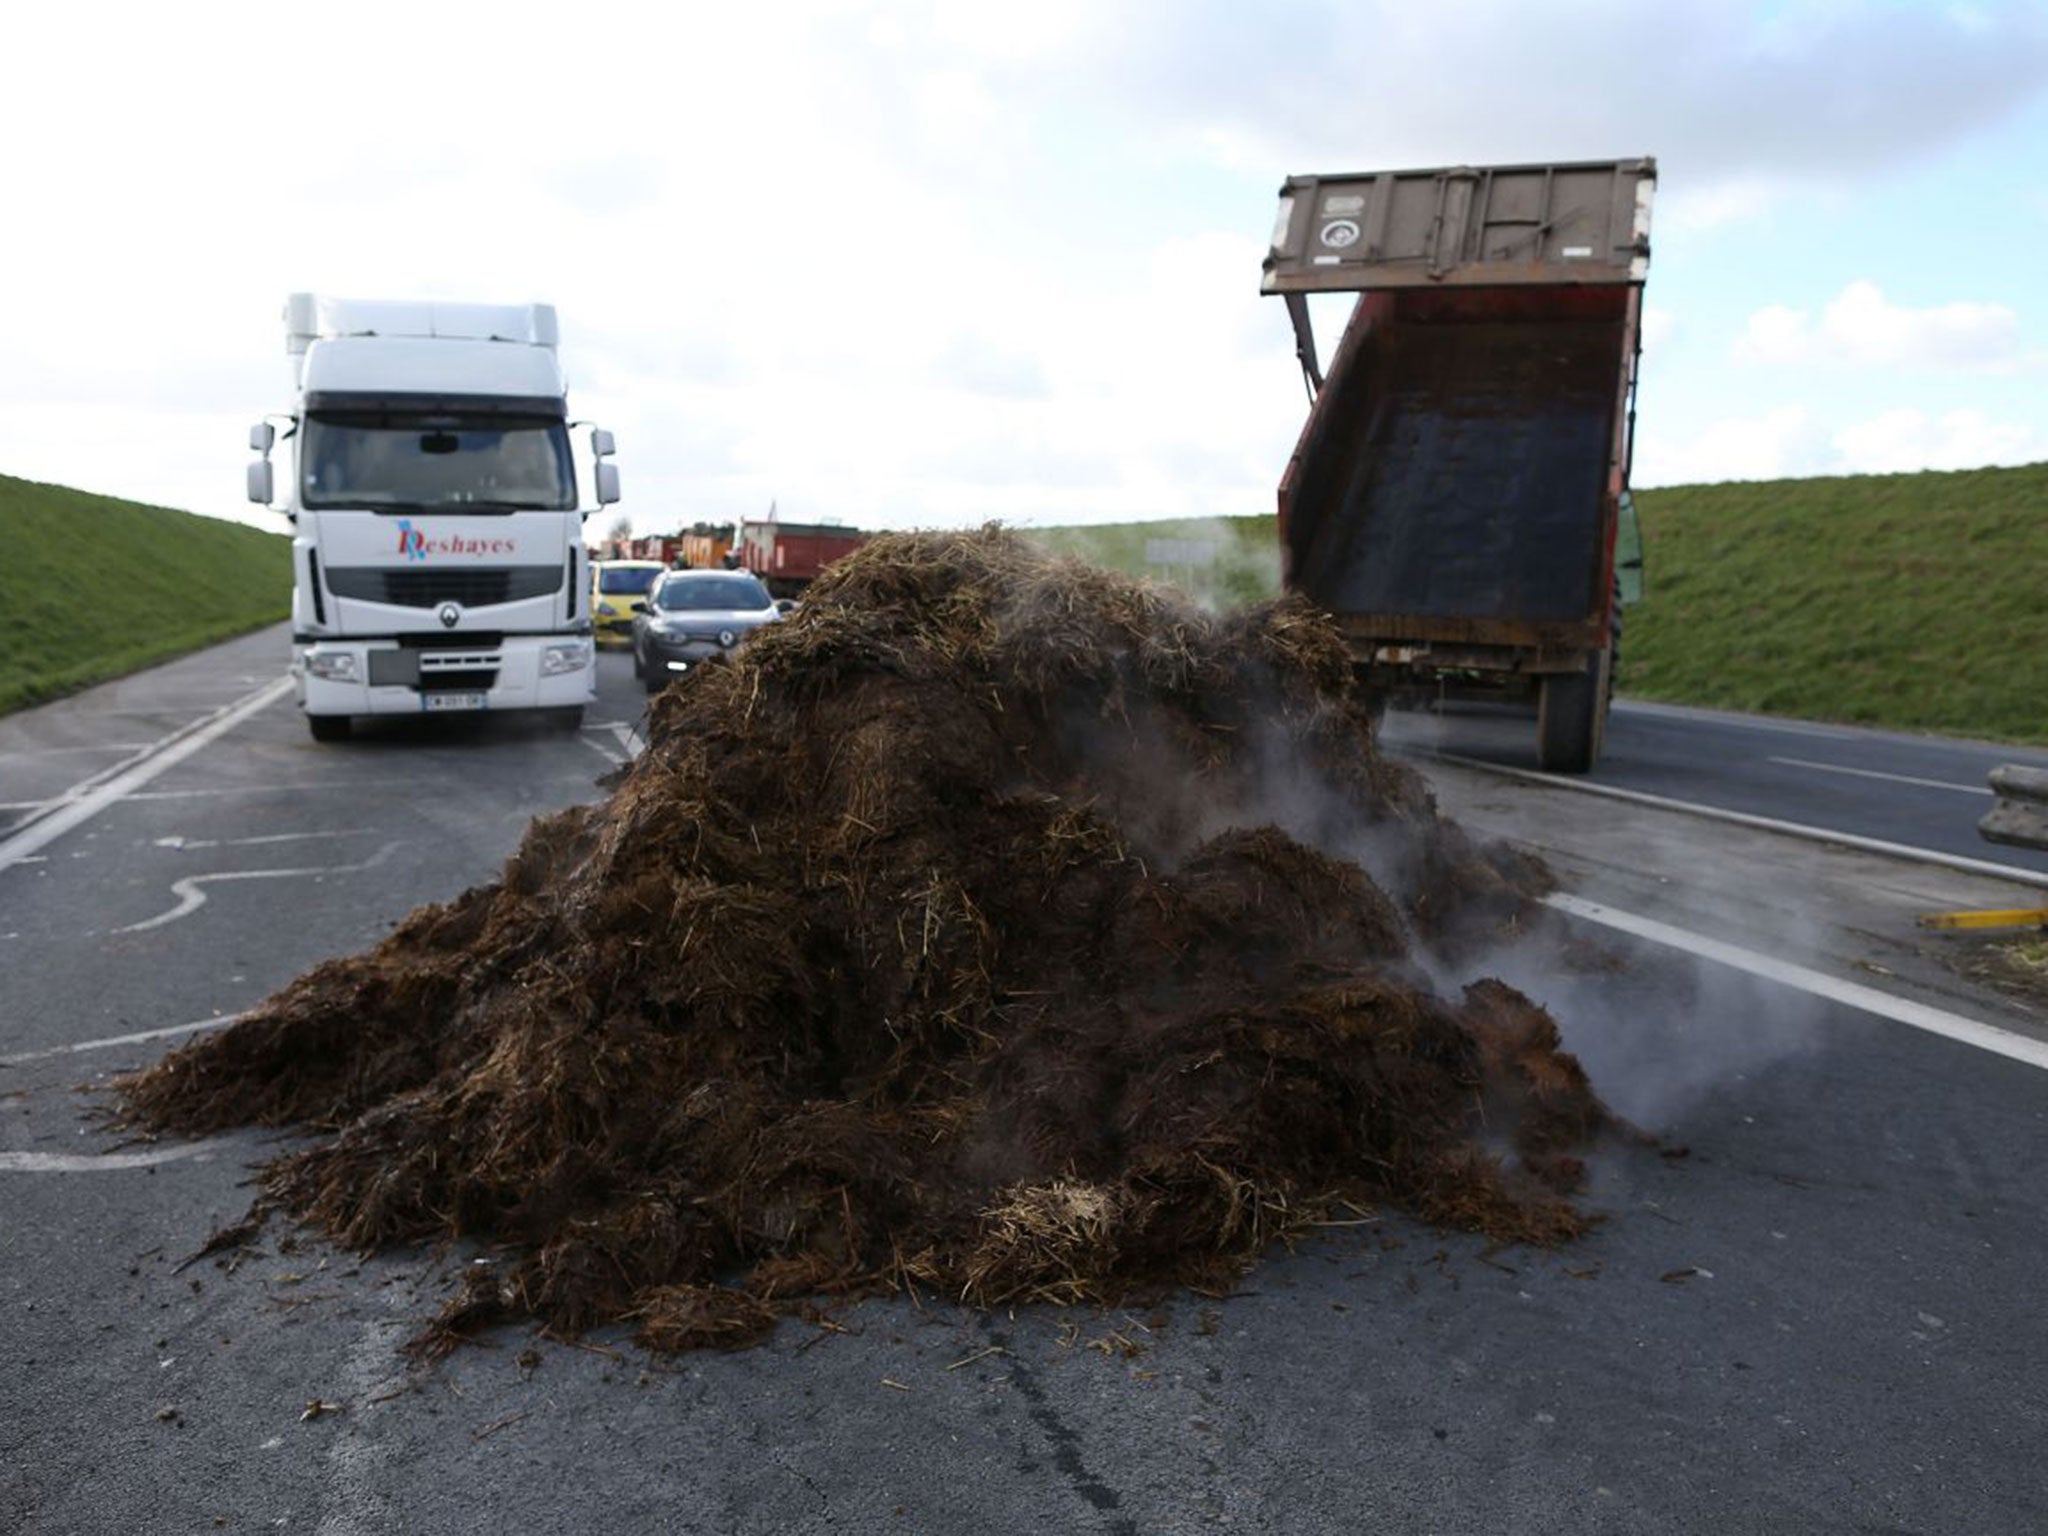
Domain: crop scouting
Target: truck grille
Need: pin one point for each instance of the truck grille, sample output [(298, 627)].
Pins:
[(472, 665), (472, 586)]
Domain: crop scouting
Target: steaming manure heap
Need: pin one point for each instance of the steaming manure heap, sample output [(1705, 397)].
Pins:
[(996, 925)]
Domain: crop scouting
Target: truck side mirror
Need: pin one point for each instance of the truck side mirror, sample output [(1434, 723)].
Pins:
[(602, 443), (607, 484), (261, 437), (259, 481)]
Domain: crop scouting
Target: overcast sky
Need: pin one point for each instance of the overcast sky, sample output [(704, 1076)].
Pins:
[(927, 264)]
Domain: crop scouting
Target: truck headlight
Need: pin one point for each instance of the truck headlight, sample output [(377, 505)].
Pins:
[(333, 666), (571, 657)]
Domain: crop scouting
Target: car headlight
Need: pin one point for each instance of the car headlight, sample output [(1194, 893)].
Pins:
[(332, 666), (573, 656)]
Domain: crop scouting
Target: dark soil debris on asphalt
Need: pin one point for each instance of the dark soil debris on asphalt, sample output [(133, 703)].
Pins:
[(995, 925)]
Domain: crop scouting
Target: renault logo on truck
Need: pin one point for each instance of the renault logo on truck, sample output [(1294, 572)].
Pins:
[(450, 615)]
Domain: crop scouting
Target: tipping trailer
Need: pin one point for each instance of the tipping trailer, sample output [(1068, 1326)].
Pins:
[(1457, 494)]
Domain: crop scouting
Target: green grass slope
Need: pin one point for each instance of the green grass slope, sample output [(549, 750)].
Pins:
[(92, 587), (1916, 602), (1909, 601)]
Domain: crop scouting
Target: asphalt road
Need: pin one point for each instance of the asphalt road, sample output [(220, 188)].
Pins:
[(1824, 1318), (1924, 791)]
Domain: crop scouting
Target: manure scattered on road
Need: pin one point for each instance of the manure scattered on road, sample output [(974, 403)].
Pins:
[(949, 936)]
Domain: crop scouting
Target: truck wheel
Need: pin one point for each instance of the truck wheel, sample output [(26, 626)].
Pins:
[(1571, 717), (566, 719), (328, 727)]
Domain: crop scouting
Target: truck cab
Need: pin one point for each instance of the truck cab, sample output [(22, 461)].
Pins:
[(437, 527)]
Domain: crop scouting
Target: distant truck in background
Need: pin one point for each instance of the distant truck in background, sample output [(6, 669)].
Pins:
[(437, 544), (700, 547), (704, 546), (789, 556), (1458, 494)]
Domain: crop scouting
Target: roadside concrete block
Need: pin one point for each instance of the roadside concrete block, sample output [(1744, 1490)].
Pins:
[(2020, 814)]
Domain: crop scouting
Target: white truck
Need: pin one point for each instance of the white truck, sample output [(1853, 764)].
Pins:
[(438, 552)]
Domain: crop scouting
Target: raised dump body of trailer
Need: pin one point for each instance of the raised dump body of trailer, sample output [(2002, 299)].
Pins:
[(1455, 495)]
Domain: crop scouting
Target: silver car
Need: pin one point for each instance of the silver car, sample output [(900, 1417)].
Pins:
[(693, 616)]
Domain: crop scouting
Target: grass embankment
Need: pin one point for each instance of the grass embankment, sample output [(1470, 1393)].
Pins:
[(92, 586), (1916, 602), (1909, 601)]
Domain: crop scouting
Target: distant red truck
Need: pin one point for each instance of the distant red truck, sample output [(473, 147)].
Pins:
[(789, 556)]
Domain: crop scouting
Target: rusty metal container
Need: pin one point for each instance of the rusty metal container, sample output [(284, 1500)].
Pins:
[(1464, 226)]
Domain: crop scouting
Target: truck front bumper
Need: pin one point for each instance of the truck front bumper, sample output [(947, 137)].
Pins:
[(383, 677)]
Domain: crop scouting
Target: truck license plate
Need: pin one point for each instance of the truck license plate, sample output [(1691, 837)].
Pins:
[(431, 702)]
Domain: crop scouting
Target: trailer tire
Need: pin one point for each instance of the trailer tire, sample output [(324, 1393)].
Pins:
[(1571, 716), (328, 727)]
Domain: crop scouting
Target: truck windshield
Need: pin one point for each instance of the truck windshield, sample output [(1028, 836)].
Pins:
[(387, 460), (704, 594)]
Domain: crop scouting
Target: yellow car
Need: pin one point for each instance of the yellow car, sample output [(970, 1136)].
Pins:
[(618, 590)]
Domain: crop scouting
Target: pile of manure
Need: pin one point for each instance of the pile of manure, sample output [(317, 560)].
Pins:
[(995, 924)]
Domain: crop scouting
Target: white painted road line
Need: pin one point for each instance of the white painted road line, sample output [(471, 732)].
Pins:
[(104, 1162), (191, 895), (628, 738), (187, 844), (1936, 1021), (131, 776), (114, 1042), (81, 751), (590, 740), (1889, 778), (1578, 786)]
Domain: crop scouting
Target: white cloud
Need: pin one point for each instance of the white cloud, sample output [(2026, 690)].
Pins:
[(1711, 204), (1788, 442), (1861, 328), (1741, 108), (1908, 439), (1778, 443), (896, 260)]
